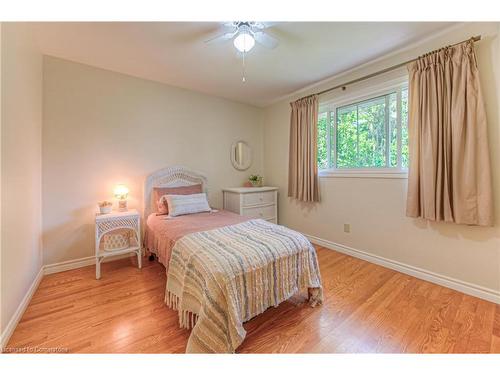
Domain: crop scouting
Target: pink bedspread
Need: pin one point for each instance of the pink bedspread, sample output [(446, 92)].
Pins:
[(162, 232)]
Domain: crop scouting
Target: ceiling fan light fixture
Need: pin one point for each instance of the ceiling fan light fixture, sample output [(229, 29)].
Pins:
[(244, 42)]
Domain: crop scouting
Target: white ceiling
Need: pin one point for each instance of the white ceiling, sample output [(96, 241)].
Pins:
[(175, 53)]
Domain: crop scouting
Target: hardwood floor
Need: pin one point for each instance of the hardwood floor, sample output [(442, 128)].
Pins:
[(367, 308)]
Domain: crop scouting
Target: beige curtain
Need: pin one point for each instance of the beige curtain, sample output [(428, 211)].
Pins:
[(449, 173), (303, 150)]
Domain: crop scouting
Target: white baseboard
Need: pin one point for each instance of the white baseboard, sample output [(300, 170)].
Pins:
[(11, 326), (420, 273), (78, 263)]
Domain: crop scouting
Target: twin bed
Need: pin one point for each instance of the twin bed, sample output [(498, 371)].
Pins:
[(224, 269)]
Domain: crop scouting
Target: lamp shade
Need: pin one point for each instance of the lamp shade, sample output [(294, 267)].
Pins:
[(121, 191)]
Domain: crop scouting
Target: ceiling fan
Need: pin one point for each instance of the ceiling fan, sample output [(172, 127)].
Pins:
[(245, 34)]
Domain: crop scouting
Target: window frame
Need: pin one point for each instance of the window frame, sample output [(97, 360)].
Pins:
[(331, 106)]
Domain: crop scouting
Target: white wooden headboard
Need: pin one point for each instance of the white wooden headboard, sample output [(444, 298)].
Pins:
[(170, 177)]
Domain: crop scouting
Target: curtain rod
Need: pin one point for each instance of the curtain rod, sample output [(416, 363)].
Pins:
[(474, 38)]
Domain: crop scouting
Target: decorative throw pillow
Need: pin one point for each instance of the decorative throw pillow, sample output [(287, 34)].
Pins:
[(158, 196), (187, 204)]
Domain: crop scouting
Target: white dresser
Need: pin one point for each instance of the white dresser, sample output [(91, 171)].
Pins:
[(254, 202)]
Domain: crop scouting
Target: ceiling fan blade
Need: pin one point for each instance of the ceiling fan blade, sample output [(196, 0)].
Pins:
[(265, 39), (221, 37), (229, 25), (263, 25)]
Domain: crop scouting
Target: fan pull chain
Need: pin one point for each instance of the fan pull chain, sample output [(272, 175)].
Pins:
[(243, 79)]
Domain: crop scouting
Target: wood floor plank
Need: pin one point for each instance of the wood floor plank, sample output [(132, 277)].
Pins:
[(367, 308), (481, 334)]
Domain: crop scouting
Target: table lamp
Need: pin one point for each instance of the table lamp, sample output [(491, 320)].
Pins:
[(121, 193)]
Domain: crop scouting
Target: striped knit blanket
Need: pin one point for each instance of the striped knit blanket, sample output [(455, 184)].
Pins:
[(223, 277)]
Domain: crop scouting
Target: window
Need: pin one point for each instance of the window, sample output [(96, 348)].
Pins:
[(369, 135)]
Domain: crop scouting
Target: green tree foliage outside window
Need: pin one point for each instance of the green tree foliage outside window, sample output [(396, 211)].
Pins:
[(322, 140), (366, 134)]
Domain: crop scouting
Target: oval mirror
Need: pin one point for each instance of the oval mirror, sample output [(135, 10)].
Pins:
[(241, 155)]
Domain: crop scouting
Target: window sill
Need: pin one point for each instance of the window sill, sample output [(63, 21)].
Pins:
[(329, 173)]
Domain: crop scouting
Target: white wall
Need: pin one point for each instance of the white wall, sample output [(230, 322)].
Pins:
[(101, 128), (21, 95), (375, 208)]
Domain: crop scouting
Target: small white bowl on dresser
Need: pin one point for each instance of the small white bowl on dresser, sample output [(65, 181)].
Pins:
[(254, 202)]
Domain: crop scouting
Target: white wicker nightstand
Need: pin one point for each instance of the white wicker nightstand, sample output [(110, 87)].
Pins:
[(107, 223)]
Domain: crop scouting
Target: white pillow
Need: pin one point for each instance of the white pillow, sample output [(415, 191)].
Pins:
[(187, 204)]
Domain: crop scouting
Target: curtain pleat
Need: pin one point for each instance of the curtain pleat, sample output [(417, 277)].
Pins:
[(303, 181), (449, 173)]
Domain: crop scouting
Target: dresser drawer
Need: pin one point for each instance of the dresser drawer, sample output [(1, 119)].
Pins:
[(265, 212), (252, 199)]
